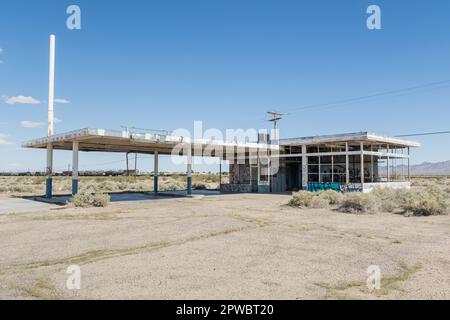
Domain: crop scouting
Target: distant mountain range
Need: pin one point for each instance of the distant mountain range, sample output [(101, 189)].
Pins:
[(429, 169)]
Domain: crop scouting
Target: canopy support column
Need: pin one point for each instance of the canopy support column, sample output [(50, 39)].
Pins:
[(49, 172), (155, 172), (75, 148), (189, 169)]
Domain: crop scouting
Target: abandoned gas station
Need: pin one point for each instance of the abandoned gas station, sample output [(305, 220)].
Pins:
[(354, 161)]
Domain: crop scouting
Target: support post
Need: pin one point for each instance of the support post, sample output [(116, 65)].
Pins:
[(304, 168), (75, 148), (332, 168), (220, 174), (49, 172), (362, 166), (388, 173), (347, 170), (409, 164), (371, 165), (189, 169), (135, 165), (155, 172)]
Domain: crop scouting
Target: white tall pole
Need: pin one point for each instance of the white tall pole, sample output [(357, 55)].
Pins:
[(51, 97), (51, 86)]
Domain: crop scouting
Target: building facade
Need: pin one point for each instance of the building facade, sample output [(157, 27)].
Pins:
[(354, 161)]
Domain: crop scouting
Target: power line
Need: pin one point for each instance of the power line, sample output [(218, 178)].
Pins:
[(405, 91)]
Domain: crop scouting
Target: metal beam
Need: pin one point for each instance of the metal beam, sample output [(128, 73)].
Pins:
[(343, 153)]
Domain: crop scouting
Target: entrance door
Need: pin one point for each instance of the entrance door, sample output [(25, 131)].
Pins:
[(293, 175)]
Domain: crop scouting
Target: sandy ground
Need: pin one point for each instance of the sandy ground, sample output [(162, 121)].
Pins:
[(221, 247)]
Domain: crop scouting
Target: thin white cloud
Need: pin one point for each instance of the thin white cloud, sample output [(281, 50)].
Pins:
[(1, 50), (21, 100), (61, 101), (56, 120), (1, 61), (4, 139), (31, 124)]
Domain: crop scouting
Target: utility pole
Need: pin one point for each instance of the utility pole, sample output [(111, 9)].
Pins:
[(275, 117)]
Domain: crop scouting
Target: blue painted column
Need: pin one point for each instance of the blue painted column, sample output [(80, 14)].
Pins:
[(49, 172), (189, 169), (75, 148), (155, 172)]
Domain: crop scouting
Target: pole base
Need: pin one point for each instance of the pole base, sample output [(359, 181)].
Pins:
[(74, 187), (155, 184), (48, 188), (189, 185)]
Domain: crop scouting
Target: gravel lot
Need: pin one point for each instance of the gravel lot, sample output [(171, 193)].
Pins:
[(221, 247)]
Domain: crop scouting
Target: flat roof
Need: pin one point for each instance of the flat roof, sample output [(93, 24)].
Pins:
[(348, 137), (104, 140)]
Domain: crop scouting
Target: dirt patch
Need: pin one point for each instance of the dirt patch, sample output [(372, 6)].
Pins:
[(222, 247)]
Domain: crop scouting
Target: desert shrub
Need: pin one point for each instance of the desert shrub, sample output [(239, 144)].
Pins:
[(357, 202), (332, 197), (90, 187), (322, 199), (388, 205), (420, 201), (199, 186), (171, 186), (387, 198), (107, 185), (301, 199), (142, 186), (319, 202), (3, 189), (431, 201), (86, 199), (20, 188), (101, 200), (82, 199), (38, 180), (122, 185)]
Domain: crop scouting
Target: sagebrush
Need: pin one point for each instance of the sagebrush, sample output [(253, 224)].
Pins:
[(87, 199)]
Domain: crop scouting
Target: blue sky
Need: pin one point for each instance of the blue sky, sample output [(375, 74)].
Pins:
[(165, 64)]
